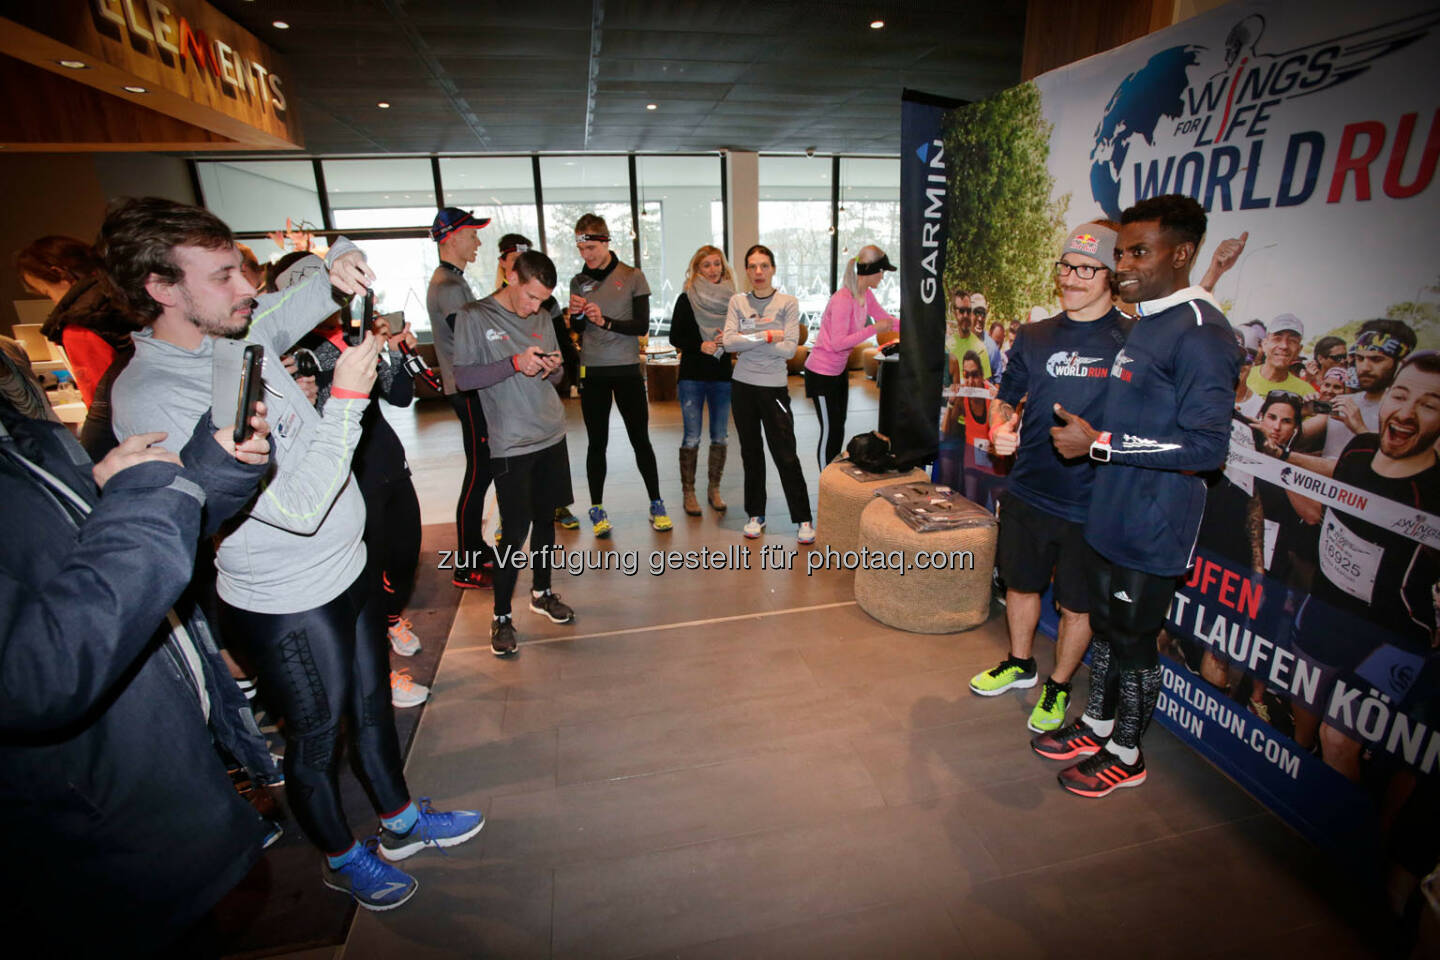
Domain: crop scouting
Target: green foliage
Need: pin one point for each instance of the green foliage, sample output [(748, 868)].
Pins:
[(1423, 316), (1005, 230)]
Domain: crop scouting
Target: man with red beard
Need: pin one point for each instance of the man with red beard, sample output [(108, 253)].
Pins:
[(1375, 584)]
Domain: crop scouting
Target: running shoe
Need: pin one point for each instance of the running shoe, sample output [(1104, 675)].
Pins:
[(1010, 674), (549, 604), (405, 692), (373, 883), (1067, 743), (1102, 774), (502, 638), (472, 580), (806, 533), (659, 519), (402, 638), (599, 523), (566, 519), (1049, 713), (431, 829), (754, 527)]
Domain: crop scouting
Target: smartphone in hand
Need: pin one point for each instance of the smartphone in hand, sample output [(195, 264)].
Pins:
[(237, 385), (359, 315)]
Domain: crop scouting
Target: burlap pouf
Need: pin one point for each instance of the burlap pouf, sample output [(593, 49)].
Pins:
[(797, 363), (853, 361), (947, 599), (869, 361), (843, 499)]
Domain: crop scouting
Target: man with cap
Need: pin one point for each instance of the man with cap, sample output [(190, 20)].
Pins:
[(1380, 348), (455, 232), (1282, 348), (1064, 359), (1165, 421), (979, 313)]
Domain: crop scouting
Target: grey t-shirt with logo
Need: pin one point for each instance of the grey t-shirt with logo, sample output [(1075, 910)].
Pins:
[(615, 296), (524, 414)]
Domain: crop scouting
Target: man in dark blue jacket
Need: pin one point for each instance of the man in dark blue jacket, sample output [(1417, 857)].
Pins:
[(124, 828), (1166, 419)]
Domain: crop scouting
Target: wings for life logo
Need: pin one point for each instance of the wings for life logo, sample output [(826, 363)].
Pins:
[(493, 334), (1202, 122), (1069, 363)]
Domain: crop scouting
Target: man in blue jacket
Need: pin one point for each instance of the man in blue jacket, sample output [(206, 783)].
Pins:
[(1166, 419), (124, 826)]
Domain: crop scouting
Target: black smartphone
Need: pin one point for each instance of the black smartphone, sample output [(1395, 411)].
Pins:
[(360, 314), (252, 386), (1322, 406)]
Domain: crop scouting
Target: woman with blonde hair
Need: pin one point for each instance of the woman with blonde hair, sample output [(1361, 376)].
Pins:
[(697, 330), (852, 316)]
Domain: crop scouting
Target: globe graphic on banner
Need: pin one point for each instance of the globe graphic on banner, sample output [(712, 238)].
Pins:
[(1143, 99)]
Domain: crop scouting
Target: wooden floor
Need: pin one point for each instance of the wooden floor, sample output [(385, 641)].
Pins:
[(743, 764)]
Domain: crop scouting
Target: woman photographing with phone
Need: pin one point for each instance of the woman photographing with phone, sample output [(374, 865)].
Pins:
[(697, 330), (852, 316), (610, 309), (762, 328)]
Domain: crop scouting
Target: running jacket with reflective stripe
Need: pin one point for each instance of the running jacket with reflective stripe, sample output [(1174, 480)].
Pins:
[(1167, 408)]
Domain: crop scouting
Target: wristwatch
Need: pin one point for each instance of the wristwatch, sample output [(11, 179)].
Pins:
[(1100, 448)]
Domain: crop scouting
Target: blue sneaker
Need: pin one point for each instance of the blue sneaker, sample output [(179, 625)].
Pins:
[(599, 522), (659, 519), (432, 829), (373, 883)]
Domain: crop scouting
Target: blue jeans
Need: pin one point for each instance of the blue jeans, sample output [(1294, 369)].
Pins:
[(694, 395)]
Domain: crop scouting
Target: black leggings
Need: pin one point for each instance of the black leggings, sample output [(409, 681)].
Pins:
[(1127, 609), (630, 397), (831, 396), (392, 537), (470, 508), (752, 408), (315, 667), (529, 487)]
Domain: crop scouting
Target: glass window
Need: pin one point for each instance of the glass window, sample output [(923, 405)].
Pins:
[(870, 213), (380, 193), (574, 186), (402, 277), (795, 223), (260, 194), (680, 211), (501, 188)]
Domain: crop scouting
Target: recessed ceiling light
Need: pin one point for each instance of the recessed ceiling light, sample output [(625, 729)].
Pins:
[(134, 89), (652, 106), (877, 24), (73, 64), (280, 25), (383, 105)]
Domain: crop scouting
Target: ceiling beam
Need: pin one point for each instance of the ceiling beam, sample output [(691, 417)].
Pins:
[(597, 24)]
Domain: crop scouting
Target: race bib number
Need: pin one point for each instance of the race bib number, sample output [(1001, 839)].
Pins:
[(1348, 561)]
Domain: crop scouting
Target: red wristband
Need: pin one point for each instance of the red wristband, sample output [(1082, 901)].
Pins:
[(515, 361), (340, 393)]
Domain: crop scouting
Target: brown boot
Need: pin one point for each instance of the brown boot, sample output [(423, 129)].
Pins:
[(717, 468), (689, 457)]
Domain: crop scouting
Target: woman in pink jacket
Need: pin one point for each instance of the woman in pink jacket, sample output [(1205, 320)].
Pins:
[(852, 316)]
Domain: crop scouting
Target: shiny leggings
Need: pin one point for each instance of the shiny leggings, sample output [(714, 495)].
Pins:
[(315, 667)]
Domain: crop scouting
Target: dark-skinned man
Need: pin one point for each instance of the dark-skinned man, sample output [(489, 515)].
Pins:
[(1166, 418)]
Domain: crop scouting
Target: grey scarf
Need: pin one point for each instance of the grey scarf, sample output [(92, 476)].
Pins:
[(710, 301)]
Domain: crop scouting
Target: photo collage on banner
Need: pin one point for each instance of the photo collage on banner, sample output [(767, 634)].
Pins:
[(1301, 651)]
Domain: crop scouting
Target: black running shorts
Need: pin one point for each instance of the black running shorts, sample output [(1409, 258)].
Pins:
[(1035, 547)]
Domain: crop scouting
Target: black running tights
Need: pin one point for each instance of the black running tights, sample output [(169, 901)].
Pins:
[(630, 397), (314, 668), (470, 507), (1127, 610)]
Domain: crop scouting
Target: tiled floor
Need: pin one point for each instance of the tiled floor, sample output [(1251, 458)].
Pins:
[(743, 764)]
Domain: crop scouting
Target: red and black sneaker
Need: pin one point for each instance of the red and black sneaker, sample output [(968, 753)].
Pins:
[(1069, 742), (1099, 775), (473, 579)]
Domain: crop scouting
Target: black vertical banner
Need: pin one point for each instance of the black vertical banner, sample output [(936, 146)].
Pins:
[(914, 393)]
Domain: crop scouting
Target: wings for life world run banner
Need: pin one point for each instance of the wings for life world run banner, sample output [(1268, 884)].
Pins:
[(1301, 653)]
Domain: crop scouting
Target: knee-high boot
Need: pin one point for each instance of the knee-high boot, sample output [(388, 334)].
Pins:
[(717, 468), (689, 457)]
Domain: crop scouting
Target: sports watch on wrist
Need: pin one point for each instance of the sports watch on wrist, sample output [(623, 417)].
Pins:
[(1100, 448)]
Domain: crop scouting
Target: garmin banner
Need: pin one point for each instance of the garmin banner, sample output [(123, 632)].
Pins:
[(1301, 652), (923, 186)]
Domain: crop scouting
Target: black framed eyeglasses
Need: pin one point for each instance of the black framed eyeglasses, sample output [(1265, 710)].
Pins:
[(961, 309), (1335, 357), (1085, 271)]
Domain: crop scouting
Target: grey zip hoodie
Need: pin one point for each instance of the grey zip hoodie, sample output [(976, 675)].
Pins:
[(300, 542)]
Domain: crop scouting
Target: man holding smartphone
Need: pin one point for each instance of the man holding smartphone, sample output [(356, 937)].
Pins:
[(505, 349)]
